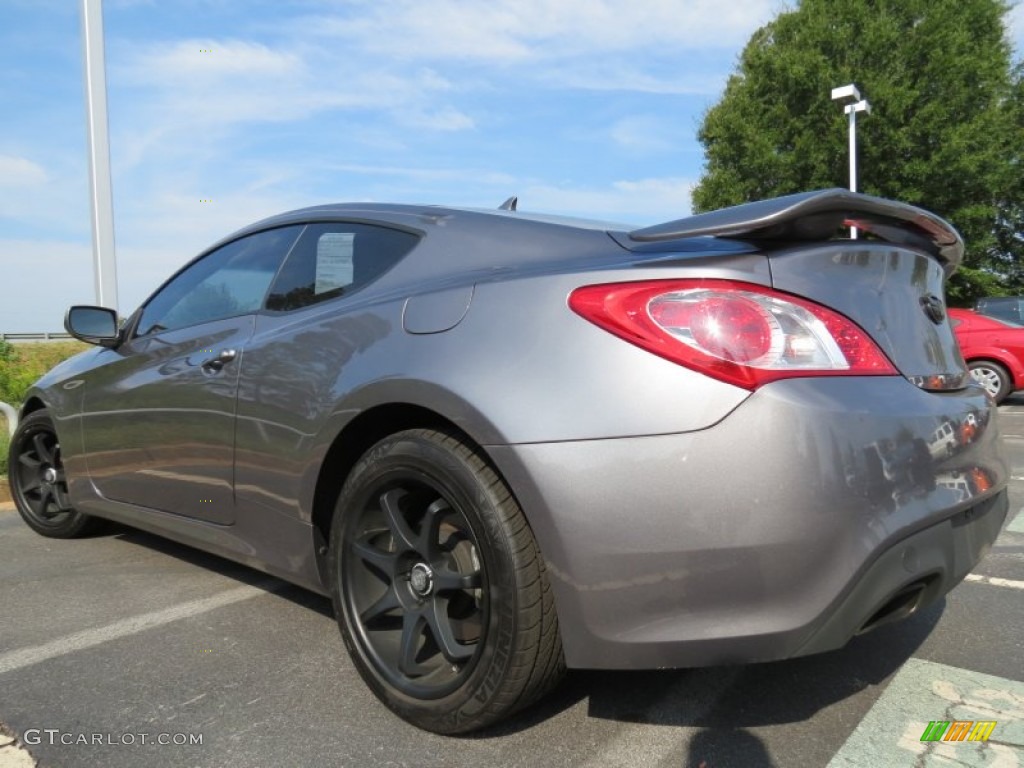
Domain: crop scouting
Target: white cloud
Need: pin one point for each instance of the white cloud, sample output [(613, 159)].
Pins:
[(618, 74), (20, 172), (192, 95), (514, 30), (640, 200), (211, 59), (443, 119)]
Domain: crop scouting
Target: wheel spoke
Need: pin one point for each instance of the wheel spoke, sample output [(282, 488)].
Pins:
[(412, 631), (430, 528), (29, 461), (380, 560), (45, 497), (30, 485), (44, 453), (387, 602), (441, 628), (60, 496), (404, 536), (446, 580)]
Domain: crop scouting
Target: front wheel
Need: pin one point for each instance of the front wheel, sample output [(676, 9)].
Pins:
[(993, 377), (439, 587), (38, 484)]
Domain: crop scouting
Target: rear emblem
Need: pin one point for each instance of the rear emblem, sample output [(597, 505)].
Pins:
[(932, 306)]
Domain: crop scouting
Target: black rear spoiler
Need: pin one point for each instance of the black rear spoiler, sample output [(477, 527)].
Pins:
[(818, 215)]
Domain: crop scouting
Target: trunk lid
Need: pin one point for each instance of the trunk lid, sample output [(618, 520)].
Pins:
[(892, 285)]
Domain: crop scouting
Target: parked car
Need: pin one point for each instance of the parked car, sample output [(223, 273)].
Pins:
[(993, 349), (507, 443), (1010, 308)]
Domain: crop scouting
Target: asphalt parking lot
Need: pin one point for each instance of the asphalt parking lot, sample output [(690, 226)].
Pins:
[(111, 644)]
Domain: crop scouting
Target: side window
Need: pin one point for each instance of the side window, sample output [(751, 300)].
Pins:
[(335, 259), (232, 280)]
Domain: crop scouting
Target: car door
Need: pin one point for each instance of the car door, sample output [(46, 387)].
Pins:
[(313, 327), (159, 415)]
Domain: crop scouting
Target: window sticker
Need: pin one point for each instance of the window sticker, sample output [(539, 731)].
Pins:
[(334, 267)]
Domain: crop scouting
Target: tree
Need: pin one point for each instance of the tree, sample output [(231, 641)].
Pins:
[(946, 131)]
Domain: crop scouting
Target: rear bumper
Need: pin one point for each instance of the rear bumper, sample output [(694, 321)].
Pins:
[(819, 506), (924, 566)]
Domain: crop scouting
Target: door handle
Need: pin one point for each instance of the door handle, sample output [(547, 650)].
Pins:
[(217, 362)]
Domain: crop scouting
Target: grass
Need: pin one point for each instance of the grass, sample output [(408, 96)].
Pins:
[(20, 366)]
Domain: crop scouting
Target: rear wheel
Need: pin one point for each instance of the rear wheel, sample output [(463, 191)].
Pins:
[(439, 587), (993, 377), (38, 483)]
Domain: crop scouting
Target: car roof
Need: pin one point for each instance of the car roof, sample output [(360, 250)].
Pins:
[(412, 216)]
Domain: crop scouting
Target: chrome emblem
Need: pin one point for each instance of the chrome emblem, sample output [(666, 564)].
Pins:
[(421, 578)]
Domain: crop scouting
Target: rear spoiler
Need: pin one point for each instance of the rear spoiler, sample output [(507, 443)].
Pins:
[(816, 216)]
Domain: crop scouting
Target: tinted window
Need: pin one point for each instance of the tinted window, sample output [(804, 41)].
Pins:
[(232, 280), (1005, 307), (335, 259)]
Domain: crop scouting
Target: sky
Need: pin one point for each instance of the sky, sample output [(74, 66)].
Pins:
[(225, 111)]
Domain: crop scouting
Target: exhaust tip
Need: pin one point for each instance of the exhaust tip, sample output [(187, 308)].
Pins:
[(900, 605)]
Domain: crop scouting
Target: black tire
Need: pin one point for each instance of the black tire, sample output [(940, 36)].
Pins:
[(38, 484), (993, 377), (439, 587)]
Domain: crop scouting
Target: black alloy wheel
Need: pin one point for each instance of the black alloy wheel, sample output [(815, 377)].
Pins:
[(414, 578), (439, 589), (39, 485)]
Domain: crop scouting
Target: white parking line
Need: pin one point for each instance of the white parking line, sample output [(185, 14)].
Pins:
[(23, 657), (994, 581)]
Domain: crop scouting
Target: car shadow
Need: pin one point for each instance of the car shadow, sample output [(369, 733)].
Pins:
[(237, 571), (721, 702), (1014, 398)]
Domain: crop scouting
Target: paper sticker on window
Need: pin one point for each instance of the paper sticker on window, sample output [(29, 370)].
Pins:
[(334, 261)]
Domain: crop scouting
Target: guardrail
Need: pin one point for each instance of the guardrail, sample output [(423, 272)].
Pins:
[(12, 417), (59, 336)]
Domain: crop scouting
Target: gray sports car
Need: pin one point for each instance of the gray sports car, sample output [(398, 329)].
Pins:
[(507, 443)]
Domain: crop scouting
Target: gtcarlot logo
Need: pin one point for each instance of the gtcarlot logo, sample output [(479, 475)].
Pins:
[(35, 736)]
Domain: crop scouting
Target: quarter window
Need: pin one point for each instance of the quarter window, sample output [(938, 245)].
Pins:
[(232, 280), (335, 259)]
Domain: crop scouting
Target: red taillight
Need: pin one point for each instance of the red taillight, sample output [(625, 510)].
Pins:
[(741, 333)]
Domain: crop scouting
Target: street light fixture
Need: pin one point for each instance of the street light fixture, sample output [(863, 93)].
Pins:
[(850, 94)]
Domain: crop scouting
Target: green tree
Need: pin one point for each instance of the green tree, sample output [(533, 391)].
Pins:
[(946, 130)]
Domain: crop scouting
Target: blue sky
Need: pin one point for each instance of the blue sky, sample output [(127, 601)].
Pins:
[(583, 107)]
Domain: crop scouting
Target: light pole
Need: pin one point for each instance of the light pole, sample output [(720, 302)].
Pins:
[(855, 104), (100, 195)]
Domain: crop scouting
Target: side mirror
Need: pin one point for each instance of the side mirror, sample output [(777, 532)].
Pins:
[(93, 325)]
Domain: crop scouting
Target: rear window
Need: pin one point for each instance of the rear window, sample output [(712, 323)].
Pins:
[(336, 259)]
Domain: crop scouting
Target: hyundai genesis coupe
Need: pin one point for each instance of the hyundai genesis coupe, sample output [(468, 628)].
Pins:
[(507, 443)]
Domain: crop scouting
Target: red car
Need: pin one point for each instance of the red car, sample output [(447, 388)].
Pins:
[(993, 349)]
